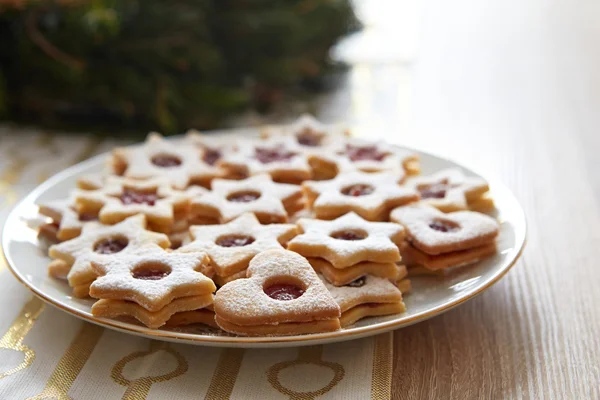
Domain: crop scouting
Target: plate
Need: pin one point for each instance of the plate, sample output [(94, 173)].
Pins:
[(431, 295)]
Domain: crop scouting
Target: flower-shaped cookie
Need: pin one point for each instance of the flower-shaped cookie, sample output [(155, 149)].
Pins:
[(180, 165), (449, 190), (370, 195), (123, 197), (69, 222), (269, 201), (231, 246), (280, 157), (348, 240), (104, 243), (282, 295), (151, 277), (366, 297), (435, 232)]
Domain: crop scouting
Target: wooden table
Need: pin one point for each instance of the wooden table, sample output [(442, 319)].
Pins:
[(512, 88)]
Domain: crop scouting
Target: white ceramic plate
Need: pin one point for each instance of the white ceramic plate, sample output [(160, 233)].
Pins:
[(430, 296)]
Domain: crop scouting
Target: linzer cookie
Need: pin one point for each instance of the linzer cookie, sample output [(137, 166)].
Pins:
[(450, 190), (348, 240), (101, 243), (66, 222), (212, 147), (123, 197), (271, 202), (440, 240), (370, 195), (231, 246), (279, 157), (145, 284), (281, 296), (180, 165), (204, 316), (343, 276), (368, 296)]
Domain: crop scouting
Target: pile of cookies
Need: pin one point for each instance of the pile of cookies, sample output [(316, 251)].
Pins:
[(302, 230)]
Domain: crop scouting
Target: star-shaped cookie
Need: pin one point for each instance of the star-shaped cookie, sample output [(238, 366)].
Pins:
[(449, 190), (63, 214), (123, 197), (279, 156), (231, 246), (211, 147), (348, 240), (180, 165), (308, 132), (104, 243), (271, 202), (151, 277), (370, 195)]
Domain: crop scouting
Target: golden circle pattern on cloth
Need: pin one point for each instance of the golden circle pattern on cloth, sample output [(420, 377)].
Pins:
[(306, 356), (138, 389), (13, 338)]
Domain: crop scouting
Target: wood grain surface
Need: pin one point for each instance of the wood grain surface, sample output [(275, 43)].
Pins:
[(512, 88)]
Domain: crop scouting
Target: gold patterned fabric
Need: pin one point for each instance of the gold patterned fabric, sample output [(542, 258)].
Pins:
[(48, 354)]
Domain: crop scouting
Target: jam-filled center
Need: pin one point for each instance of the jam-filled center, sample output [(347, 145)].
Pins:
[(441, 225), (211, 156), (130, 196), (435, 191), (111, 245), (234, 241), (357, 282), (353, 234), (86, 217), (243, 197), (310, 138), (359, 189), (151, 271), (284, 291), (360, 153), (166, 160), (268, 155)]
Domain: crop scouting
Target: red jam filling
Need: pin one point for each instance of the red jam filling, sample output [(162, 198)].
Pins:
[(110, 246), (309, 138), (211, 156), (358, 190), (130, 196), (349, 235), (85, 217), (166, 161), (243, 197), (269, 155), (444, 226), (360, 153), (435, 191), (234, 241), (284, 291), (151, 272), (357, 282)]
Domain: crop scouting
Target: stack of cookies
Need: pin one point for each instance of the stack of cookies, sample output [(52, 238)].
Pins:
[(303, 230)]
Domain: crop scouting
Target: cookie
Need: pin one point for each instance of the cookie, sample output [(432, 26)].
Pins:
[(231, 246), (370, 195), (67, 223), (440, 240), (202, 316), (450, 190), (282, 295), (343, 276), (180, 165), (365, 297), (111, 308), (151, 277), (279, 157), (307, 131), (271, 202), (348, 240), (101, 243), (123, 197), (212, 147)]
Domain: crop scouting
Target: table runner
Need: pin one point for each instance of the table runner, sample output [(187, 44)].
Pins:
[(47, 353)]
